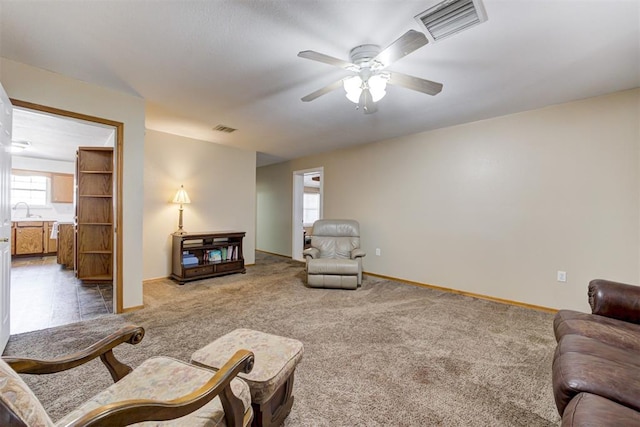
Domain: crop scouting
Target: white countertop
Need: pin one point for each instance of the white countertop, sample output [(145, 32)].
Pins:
[(43, 219)]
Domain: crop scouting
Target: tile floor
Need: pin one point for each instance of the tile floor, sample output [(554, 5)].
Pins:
[(43, 295)]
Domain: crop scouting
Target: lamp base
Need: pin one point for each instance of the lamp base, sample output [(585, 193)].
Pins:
[(180, 231)]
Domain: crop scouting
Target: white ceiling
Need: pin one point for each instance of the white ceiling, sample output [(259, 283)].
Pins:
[(57, 138), (203, 63), (309, 179)]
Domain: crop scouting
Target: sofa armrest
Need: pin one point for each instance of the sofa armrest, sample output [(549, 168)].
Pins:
[(616, 300), (311, 252), (358, 253)]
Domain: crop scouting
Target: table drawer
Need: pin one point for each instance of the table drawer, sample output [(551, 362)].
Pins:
[(228, 266), (198, 271)]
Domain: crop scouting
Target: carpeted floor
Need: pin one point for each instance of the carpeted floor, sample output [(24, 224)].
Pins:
[(387, 354)]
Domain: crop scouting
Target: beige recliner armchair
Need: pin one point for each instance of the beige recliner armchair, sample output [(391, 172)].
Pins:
[(334, 259)]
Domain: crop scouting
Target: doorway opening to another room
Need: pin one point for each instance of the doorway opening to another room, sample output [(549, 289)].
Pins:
[(83, 189), (307, 207)]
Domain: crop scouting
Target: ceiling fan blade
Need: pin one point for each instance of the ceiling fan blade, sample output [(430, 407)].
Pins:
[(414, 83), (366, 102), (324, 90), (321, 57), (407, 43)]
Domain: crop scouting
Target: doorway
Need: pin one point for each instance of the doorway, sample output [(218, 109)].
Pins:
[(308, 197), (71, 130)]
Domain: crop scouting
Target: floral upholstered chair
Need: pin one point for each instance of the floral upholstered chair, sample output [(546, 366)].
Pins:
[(160, 389)]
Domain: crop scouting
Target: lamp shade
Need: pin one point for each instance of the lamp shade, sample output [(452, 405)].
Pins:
[(181, 196)]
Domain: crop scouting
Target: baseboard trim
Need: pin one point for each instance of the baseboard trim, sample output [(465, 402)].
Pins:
[(134, 308), (441, 288), (280, 255), (153, 279), (273, 253), (467, 294)]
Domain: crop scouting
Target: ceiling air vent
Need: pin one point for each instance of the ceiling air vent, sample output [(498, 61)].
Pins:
[(450, 17), (226, 129)]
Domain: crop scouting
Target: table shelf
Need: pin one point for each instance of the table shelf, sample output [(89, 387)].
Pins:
[(216, 253)]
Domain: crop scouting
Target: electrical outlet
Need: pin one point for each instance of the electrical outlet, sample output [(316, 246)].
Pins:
[(562, 276), (377, 251)]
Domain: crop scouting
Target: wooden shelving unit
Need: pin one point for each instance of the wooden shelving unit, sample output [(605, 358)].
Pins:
[(199, 245), (94, 214)]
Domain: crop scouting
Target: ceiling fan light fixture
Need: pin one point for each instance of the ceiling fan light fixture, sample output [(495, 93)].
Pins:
[(377, 86), (368, 83), (353, 87)]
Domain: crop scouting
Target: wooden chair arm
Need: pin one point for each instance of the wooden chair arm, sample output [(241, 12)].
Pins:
[(103, 348), (138, 410)]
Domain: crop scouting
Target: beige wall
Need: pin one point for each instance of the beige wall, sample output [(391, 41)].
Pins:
[(495, 207), (274, 189), (35, 85), (220, 181)]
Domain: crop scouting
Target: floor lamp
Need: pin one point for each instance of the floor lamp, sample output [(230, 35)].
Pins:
[(181, 197)]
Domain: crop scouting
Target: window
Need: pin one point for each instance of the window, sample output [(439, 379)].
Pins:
[(310, 208), (31, 189)]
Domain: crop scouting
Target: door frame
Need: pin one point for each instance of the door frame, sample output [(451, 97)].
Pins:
[(297, 243), (119, 150)]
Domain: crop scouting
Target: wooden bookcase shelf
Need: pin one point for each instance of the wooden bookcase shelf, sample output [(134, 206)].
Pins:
[(94, 214), (201, 246)]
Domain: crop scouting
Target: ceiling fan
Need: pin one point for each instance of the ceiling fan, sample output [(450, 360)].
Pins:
[(367, 84)]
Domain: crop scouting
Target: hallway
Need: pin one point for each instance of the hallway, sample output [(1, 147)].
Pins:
[(43, 295)]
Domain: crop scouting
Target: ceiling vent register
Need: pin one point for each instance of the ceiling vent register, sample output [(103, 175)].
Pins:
[(226, 129), (451, 17)]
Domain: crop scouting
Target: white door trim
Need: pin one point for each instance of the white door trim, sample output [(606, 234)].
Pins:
[(6, 115), (297, 231)]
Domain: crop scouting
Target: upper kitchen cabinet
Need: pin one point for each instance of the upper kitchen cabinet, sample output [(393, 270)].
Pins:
[(94, 214), (61, 188)]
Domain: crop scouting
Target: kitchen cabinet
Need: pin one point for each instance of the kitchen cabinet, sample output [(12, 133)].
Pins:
[(29, 237), (65, 245), (32, 238), (13, 238), (50, 245), (61, 188)]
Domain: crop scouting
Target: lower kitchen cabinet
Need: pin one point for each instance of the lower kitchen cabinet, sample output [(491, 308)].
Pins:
[(50, 245), (65, 245), (29, 238), (13, 238), (32, 238)]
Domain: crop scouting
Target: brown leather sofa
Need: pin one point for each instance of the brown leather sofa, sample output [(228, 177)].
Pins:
[(596, 366)]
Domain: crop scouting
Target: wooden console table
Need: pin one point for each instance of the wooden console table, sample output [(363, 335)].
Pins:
[(206, 254)]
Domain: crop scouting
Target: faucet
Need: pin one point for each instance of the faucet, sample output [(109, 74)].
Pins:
[(26, 204)]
